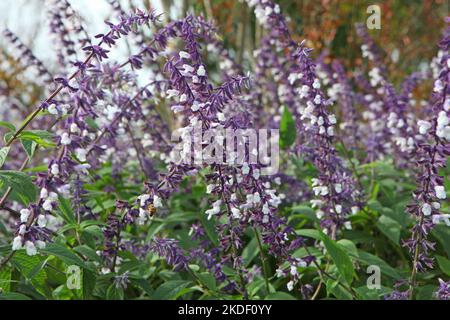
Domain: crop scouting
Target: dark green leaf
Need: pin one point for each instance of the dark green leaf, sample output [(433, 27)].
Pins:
[(23, 189), (169, 290), (340, 258), (288, 130)]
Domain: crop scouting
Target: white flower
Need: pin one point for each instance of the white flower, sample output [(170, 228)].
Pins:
[(143, 199), (256, 174), (47, 205), (65, 139), (74, 128), (256, 198), (426, 209), (316, 84), (290, 285), (211, 212), (330, 131), (302, 264), (81, 154), (265, 218), (320, 214), (196, 106), (279, 273), (52, 109), (54, 169), (348, 225), (332, 118), (236, 213), (317, 99), (304, 91), (31, 249), (187, 69), (221, 116), (338, 187), (440, 192), (201, 72), (245, 169), (42, 220), (266, 209), (436, 205), (424, 126), (44, 193), (338, 208), (294, 270), (24, 214), (210, 188), (22, 229), (184, 55), (157, 203), (17, 243), (355, 210), (172, 93), (40, 244)]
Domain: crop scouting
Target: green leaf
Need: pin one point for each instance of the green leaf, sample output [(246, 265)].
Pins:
[(8, 125), (14, 296), (5, 280), (114, 293), (444, 264), (88, 252), (41, 137), (23, 189), (250, 251), (30, 267), (370, 259), (340, 258), (288, 130), (208, 280), (310, 233), (335, 289), (65, 210), (3, 154), (29, 146), (169, 290), (390, 228), (279, 295), (62, 252)]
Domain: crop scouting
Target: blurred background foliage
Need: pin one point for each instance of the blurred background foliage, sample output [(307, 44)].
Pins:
[(410, 31)]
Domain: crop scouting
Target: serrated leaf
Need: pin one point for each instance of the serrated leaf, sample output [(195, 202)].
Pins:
[(23, 189), (288, 131)]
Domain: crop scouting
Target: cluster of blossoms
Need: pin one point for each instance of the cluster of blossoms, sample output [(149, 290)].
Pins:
[(101, 113), (335, 186)]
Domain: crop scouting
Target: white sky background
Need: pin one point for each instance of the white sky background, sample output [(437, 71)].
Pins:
[(28, 20)]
